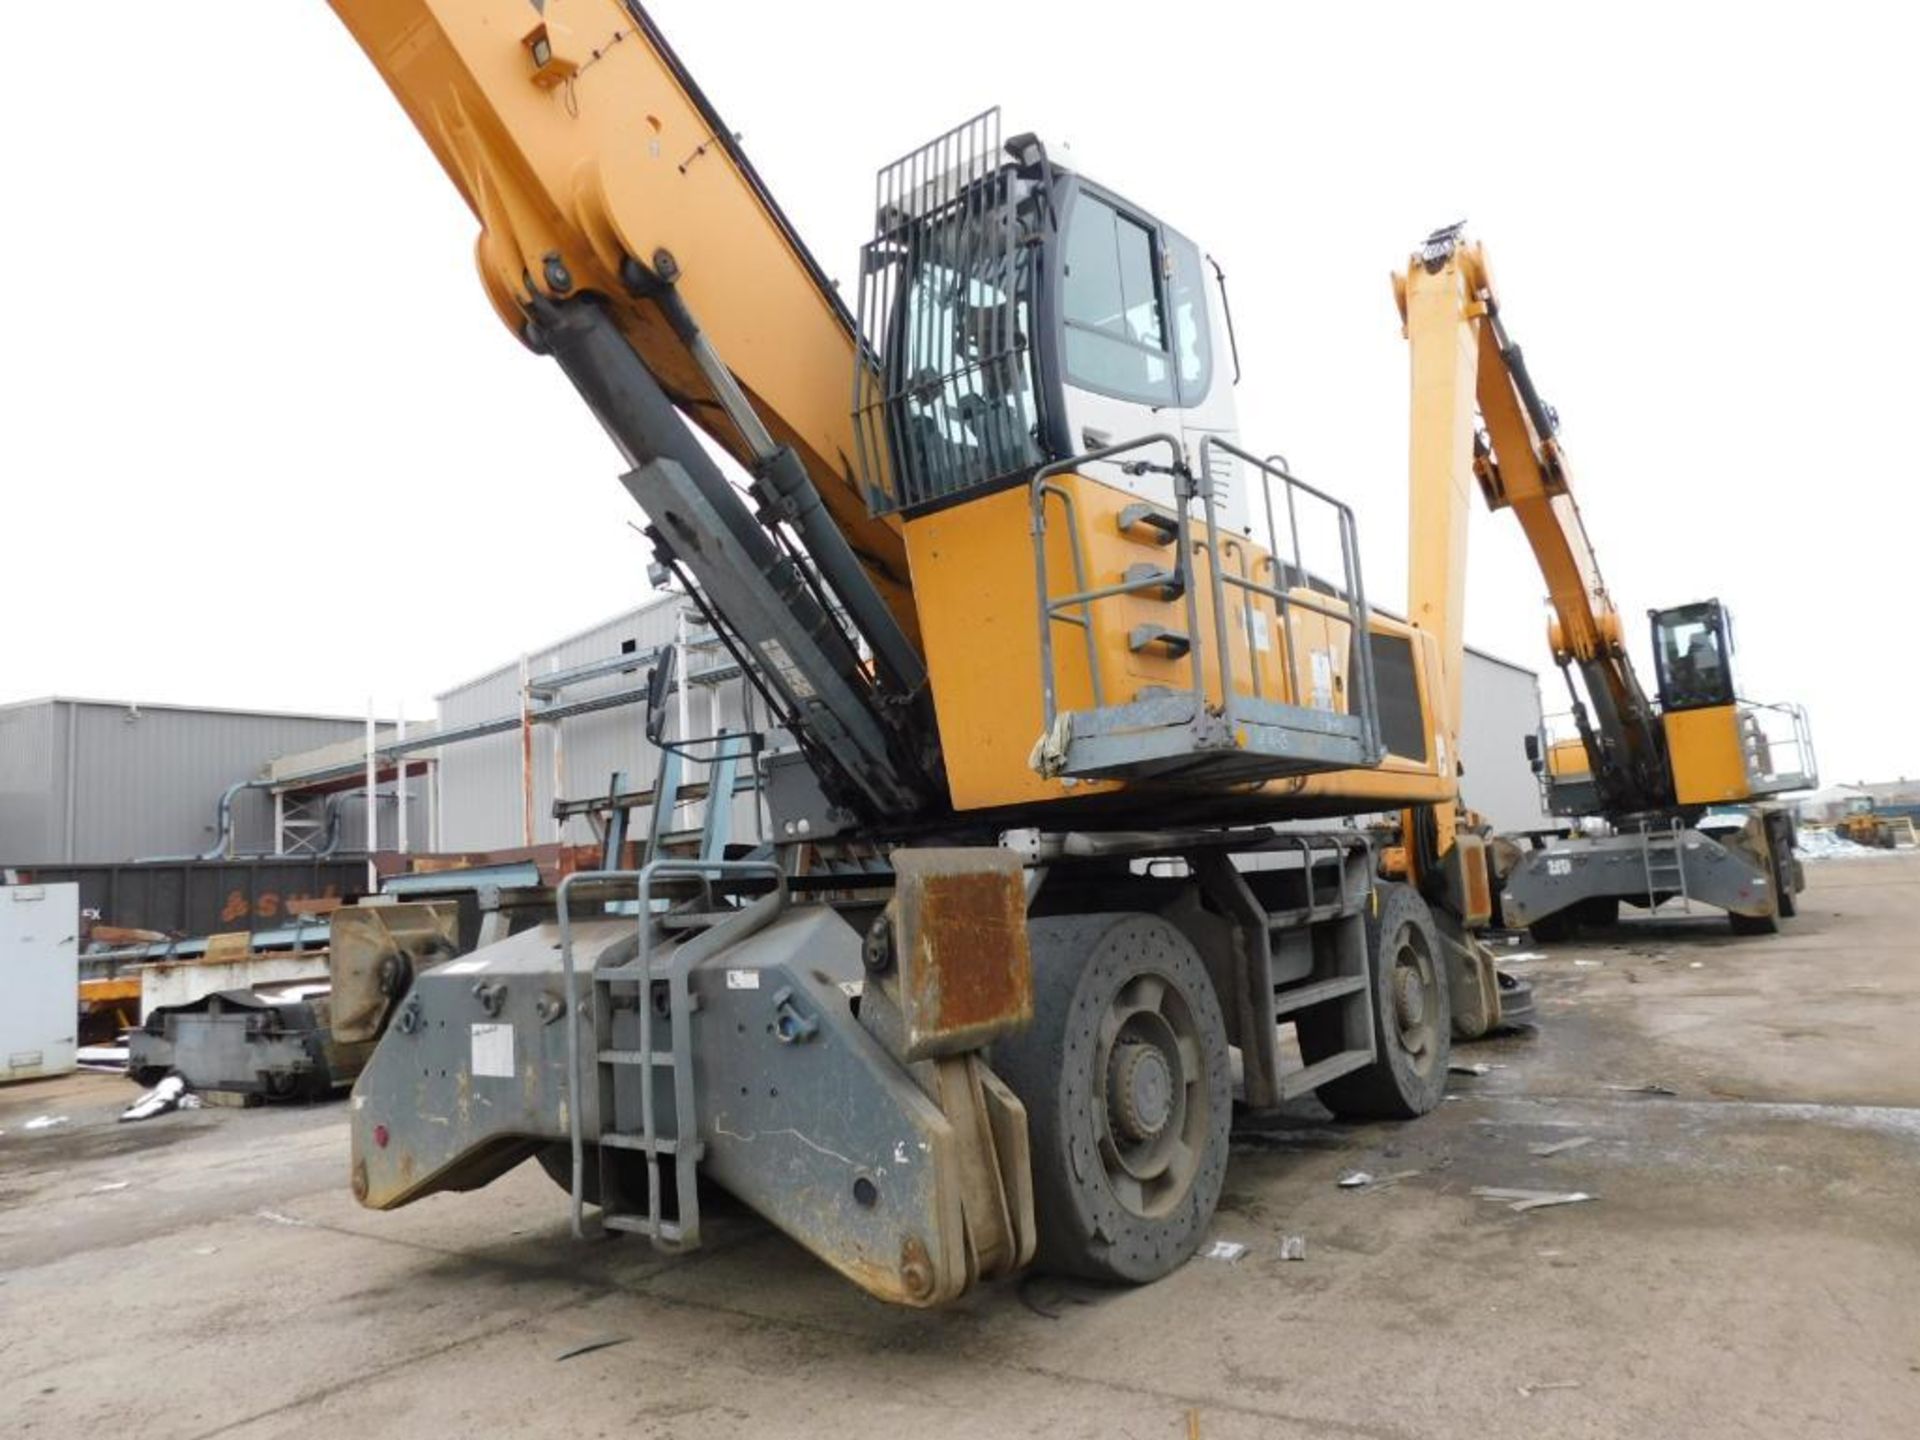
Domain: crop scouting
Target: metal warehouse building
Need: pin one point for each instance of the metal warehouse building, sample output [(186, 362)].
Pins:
[(99, 780), (93, 781), (497, 791), (1501, 708)]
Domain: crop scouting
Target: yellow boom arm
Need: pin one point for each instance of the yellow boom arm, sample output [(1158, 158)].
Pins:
[(1465, 366), (593, 163)]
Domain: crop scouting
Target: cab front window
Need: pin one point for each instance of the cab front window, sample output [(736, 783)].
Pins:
[(1693, 656)]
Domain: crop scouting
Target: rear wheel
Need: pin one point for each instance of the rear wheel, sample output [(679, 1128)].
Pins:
[(1553, 929), (1753, 924), (1599, 911), (1412, 1017), (1125, 1076), (1786, 874)]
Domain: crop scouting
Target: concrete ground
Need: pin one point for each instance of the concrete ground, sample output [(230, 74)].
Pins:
[(1750, 1266)]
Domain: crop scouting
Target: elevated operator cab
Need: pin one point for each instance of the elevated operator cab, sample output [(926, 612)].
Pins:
[(1721, 750), (1693, 656), (1025, 315)]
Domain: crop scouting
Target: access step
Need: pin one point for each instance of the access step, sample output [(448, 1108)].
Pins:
[(1158, 526), (1156, 581), (666, 1232), (1174, 642), (1303, 1082), (1172, 737), (662, 1145), (1301, 997)]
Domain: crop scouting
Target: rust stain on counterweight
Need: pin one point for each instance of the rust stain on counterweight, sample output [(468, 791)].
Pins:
[(972, 933)]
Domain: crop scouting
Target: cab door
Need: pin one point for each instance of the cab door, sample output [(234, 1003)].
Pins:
[(1137, 345)]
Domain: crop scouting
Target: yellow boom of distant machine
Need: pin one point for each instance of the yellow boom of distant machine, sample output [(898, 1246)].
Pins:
[(1647, 771)]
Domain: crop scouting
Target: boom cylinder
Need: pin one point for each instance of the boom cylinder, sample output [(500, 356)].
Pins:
[(792, 494), (762, 594)]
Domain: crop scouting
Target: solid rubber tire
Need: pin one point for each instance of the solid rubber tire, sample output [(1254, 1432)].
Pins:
[(1080, 964), (1554, 929), (1598, 912)]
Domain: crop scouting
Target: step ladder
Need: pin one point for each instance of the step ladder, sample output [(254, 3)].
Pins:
[(1665, 864), (1271, 993), (637, 992), (640, 1017)]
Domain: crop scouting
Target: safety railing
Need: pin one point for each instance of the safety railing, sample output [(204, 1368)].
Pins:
[(1230, 564), (1363, 698), (1776, 743), (1077, 608), (1568, 791), (943, 395)]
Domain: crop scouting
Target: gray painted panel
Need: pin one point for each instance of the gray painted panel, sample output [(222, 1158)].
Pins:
[(1501, 708), (142, 781)]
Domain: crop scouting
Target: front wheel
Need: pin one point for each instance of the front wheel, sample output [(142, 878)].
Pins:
[(1125, 1076)]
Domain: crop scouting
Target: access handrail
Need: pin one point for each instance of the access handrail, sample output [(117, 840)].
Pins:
[(1355, 613), (1076, 607), (1049, 606)]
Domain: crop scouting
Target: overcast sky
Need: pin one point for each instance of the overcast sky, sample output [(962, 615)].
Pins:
[(266, 445)]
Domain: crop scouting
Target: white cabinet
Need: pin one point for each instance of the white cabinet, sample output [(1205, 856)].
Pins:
[(39, 979)]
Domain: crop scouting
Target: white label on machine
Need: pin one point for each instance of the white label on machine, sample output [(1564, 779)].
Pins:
[(1323, 679), (493, 1051), (463, 967), (1559, 867), (1262, 636), (743, 979)]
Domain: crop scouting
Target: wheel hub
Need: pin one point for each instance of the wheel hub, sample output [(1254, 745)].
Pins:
[(1409, 997), (1139, 1091)]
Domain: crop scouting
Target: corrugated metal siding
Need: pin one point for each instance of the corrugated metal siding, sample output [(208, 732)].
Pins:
[(480, 780), (353, 819), (145, 779), (29, 822), (1502, 708)]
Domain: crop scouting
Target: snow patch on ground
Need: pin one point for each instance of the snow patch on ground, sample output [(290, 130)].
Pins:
[(1825, 845)]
